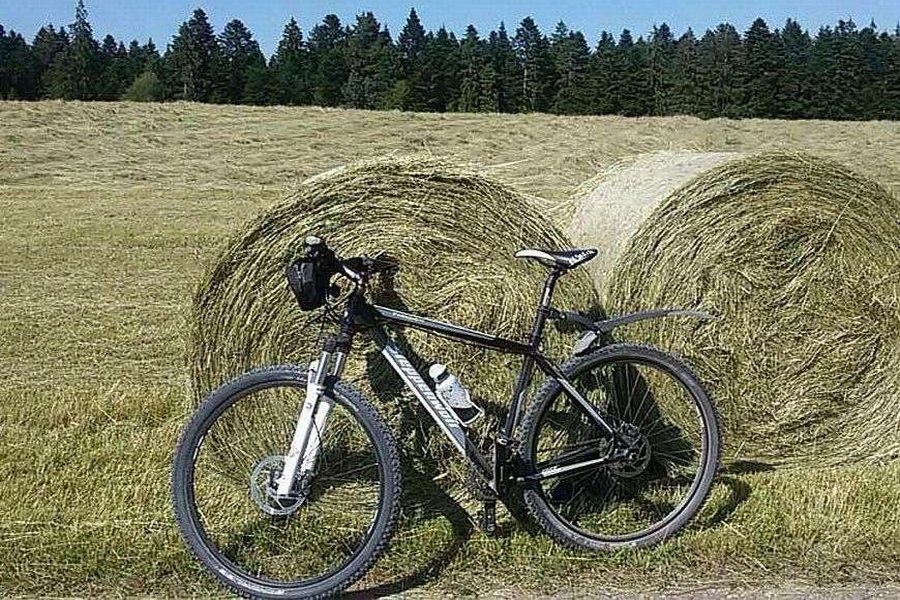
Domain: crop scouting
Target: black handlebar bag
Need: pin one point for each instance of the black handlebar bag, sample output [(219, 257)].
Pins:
[(308, 278)]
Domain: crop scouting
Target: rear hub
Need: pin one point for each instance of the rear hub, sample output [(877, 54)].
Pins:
[(637, 453)]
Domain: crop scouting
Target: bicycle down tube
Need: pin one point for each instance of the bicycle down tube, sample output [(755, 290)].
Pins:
[(441, 414), (451, 427)]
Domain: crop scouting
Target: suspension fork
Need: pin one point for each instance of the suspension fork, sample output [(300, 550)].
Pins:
[(306, 441)]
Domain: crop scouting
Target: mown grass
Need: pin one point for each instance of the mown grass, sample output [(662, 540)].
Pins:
[(109, 213)]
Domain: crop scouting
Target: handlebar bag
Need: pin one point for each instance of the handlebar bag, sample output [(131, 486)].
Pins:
[(308, 278)]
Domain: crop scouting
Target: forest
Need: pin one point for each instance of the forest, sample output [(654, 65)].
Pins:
[(840, 72)]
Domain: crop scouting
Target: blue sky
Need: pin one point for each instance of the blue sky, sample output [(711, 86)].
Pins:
[(159, 19)]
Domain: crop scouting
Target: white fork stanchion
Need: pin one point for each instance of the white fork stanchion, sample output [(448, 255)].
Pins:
[(309, 417)]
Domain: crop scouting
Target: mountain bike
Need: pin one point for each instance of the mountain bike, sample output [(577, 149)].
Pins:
[(286, 480)]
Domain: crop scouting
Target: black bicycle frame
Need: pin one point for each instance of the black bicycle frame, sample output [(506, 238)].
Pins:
[(504, 470)]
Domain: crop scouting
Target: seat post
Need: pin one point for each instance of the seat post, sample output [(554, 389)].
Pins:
[(537, 329), (543, 309)]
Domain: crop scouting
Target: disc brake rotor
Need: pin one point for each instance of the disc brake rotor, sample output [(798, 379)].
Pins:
[(638, 464), (264, 488)]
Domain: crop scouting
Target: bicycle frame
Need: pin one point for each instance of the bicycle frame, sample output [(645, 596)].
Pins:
[(302, 453), (444, 416)]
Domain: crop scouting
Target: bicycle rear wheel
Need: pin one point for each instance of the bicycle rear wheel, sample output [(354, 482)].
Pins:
[(338, 518), (651, 399)]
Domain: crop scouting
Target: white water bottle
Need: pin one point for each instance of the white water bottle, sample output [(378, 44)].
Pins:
[(452, 392)]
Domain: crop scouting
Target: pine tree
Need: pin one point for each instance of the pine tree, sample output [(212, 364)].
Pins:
[(47, 44), (74, 73), (328, 68), (685, 77), (19, 68), (476, 81), (795, 95), (635, 93), (660, 68), (412, 93), (371, 62), (571, 57), (873, 74), (411, 41), (605, 68), (536, 67), (192, 60), (115, 69), (762, 72), (889, 48), (439, 73), (290, 66), (260, 85), (83, 57), (135, 59), (8, 68), (142, 59), (720, 61), (839, 72), (240, 54), (508, 74)]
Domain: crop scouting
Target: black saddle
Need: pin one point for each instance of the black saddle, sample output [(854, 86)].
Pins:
[(560, 259)]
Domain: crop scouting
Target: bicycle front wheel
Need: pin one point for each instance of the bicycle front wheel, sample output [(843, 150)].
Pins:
[(659, 408), (336, 521)]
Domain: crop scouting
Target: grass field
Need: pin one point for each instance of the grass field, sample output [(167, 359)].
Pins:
[(109, 214)]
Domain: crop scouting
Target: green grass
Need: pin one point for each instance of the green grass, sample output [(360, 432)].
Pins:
[(109, 213)]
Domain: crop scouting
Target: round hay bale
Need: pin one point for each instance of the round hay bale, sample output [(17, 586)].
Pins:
[(453, 232), (612, 205), (800, 258)]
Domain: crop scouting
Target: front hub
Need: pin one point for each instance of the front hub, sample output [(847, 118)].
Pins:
[(264, 488)]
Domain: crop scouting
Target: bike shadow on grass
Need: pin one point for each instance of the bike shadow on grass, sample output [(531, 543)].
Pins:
[(731, 476), (431, 499), (424, 498)]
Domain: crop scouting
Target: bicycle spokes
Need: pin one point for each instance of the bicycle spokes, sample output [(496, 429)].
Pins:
[(660, 437), (310, 531)]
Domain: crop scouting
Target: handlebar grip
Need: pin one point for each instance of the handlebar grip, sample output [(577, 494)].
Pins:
[(366, 265)]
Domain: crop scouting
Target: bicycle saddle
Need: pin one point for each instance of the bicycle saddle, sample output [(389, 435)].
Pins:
[(560, 259)]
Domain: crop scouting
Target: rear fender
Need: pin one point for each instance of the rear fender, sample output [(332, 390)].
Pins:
[(600, 330)]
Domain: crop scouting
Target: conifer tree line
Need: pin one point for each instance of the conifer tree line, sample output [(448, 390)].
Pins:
[(841, 72)]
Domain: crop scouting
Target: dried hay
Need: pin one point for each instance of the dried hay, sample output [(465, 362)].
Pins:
[(800, 258), (453, 233)]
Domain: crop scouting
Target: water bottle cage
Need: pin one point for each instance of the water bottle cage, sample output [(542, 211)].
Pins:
[(466, 411), (465, 417)]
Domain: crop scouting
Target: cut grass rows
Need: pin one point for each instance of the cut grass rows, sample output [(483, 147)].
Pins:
[(103, 240)]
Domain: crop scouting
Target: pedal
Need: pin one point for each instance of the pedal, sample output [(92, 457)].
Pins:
[(489, 518)]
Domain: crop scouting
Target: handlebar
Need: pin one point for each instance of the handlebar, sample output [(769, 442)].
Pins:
[(358, 268)]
